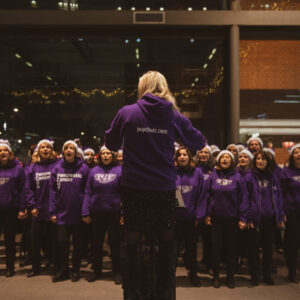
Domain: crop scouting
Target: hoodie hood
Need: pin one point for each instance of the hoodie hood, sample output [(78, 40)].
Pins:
[(155, 108)]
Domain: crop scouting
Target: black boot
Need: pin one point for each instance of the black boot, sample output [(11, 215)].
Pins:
[(194, 279), (230, 282), (216, 281), (293, 277)]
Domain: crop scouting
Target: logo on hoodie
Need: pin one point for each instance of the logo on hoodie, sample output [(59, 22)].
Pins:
[(264, 183), (224, 181), (105, 178), (205, 176), (151, 130), (296, 178), (61, 177), (184, 188), (4, 180), (41, 176)]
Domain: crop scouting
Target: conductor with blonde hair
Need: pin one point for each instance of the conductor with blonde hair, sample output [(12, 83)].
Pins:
[(148, 129)]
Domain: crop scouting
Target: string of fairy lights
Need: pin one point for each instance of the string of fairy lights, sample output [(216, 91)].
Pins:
[(185, 93)]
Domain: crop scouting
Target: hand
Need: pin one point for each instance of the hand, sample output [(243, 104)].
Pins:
[(21, 215), (242, 225), (35, 212), (87, 219), (122, 221), (196, 223), (280, 224), (53, 219), (207, 221), (285, 218)]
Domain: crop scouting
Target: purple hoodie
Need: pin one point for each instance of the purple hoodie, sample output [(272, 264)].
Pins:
[(38, 187), (290, 182), (190, 183), (12, 181), (227, 195), (67, 185), (102, 192), (149, 129), (265, 196)]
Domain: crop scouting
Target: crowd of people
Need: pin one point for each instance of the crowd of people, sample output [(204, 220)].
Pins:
[(235, 198)]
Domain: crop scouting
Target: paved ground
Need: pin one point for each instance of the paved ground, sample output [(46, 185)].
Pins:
[(41, 288)]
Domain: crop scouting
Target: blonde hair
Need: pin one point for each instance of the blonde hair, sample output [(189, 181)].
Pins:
[(156, 84)]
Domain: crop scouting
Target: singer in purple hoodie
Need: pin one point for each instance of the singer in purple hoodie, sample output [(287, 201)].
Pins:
[(147, 130), (227, 210), (68, 181), (101, 207), (290, 178), (12, 180), (190, 185), (266, 213), (37, 199)]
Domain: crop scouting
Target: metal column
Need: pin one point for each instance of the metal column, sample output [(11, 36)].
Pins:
[(234, 80)]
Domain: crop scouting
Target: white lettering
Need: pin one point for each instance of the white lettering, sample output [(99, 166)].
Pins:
[(4, 180), (151, 130), (66, 178), (41, 176), (185, 188), (105, 178), (223, 181), (296, 178)]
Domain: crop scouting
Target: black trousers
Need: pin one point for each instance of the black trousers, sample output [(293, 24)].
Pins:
[(186, 232), (205, 232), (8, 219), (25, 246), (292, 240), (224, 228), (86, 237), (103, 222), (43, 237), (64, 232), (151, 213), (264, 234)]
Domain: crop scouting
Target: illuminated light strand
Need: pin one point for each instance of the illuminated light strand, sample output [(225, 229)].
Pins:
[(211, 89)]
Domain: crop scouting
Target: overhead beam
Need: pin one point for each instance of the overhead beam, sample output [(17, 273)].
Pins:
[(188, 18)]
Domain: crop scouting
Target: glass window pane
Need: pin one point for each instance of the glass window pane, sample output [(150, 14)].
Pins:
[(66, 88), (270, 89)]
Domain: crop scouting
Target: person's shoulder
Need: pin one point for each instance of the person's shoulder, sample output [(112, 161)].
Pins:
[(127, 108)]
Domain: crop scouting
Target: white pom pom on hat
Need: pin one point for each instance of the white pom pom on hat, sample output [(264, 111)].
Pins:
[(255, 139), (5, 143), (248, 153), (294, 147), (270, 151), (225, 152), (87, 150), (50, 143), (233, 145), (70, 142)]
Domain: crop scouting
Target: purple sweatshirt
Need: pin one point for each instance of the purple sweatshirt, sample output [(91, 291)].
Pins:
[(38, 187), (290, 182), (227, 195), (68, 181), (149, 129), (190, 183), (265, 196), (12, 181), (102, 192)]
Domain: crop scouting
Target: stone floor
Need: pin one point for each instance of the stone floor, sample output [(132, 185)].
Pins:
[(20, 287)]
